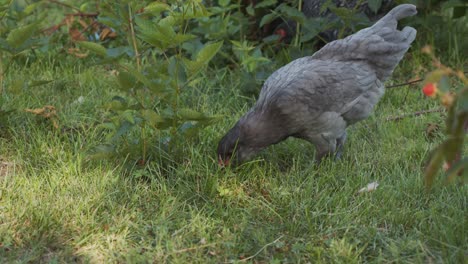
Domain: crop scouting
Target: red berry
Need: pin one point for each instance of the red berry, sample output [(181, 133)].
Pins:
[(281, 32), (430, 89)]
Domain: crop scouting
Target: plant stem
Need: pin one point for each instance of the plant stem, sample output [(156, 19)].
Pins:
[(1, 76), (298, 26), (239, 9), (143, 137), (2, 73), (132, 34)]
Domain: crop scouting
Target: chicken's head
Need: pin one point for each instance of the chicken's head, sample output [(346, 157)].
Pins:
[(228, 147), (233, 149)]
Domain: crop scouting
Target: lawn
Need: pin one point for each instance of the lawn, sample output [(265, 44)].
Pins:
[(60, 205)]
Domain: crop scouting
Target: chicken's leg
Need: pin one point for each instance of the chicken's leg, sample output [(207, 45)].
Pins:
[(340, 145), (324, 146)]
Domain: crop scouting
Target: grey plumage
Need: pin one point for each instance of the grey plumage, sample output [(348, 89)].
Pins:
[(316, 97)]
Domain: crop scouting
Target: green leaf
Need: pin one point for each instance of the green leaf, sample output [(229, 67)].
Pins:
[(156, 7), (250, 10), (39, 82), (444, 84), (167, 31), (203, 57), (272, 39), (224, 3), (192, 66), (435, 76), (208, 52), (126, 80), (451, 4), (129, 115), (266, 3), (30, 8), (120, 51), (161, 35), (268, 18), (151, 117), (292, 13), (193, 9), (176, 70), (181, 38), (139, 76), (347, 15), (94, 47), (124, 128), (374, 5), (117, 104), (108, 125), (190, 114), (20, 35), (168, 21)]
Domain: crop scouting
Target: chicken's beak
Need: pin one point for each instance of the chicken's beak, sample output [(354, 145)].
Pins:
[(223, 163)]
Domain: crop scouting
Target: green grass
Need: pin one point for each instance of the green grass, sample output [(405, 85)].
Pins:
[(57, 207)]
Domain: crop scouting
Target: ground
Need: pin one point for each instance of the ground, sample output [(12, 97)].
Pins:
[(57, 205)]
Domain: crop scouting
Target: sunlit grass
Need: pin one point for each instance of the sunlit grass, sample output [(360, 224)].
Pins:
[(57, 206)]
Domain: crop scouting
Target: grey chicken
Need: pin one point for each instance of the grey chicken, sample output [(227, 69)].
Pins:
[(317, 97)]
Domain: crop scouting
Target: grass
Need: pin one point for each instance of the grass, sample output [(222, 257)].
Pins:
[(57, 207)]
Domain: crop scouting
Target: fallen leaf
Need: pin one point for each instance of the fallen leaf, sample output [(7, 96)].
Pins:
[(369, 188), (48, 112), (77, 53), (76, 34), (107, 33)]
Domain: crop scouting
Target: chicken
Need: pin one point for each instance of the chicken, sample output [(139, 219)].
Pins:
[(316, 98)]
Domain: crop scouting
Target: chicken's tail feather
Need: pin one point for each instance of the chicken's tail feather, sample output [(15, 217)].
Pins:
[(391, 18), (382, 46)]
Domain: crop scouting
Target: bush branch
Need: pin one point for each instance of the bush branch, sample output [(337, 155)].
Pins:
[(418, 113)]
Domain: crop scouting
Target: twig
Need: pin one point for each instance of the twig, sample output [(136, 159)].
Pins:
[(403, 84), (260, 250), (407, 83), (84, 14), (418, 113)]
